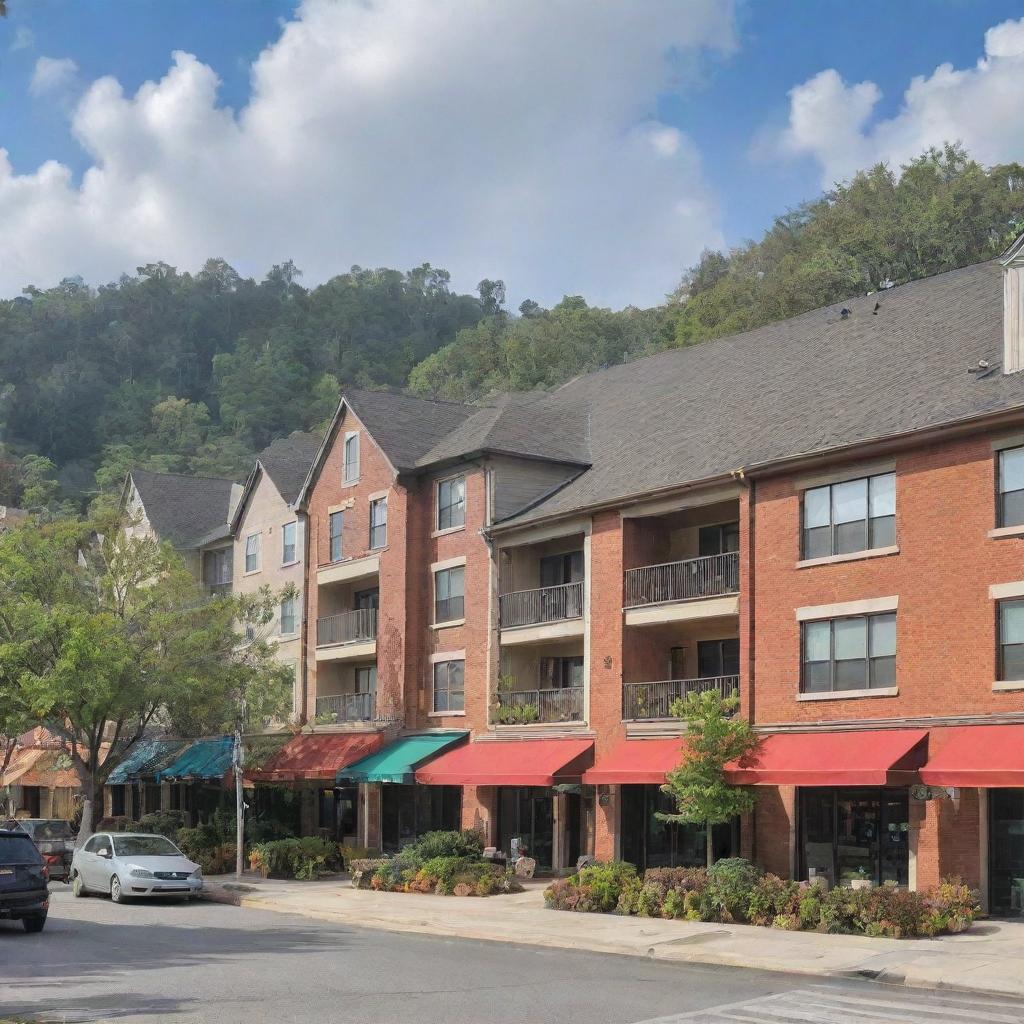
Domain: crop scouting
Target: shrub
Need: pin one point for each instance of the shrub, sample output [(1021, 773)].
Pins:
[(349, 853), (730, 885), (163, 823), (446, 844), (772, 897), (305, 858), (606, 882)]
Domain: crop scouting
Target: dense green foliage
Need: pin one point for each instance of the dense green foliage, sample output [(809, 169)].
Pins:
[(194, 372), (735, 891)]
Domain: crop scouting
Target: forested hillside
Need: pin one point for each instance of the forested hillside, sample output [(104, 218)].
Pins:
[(194, 372)]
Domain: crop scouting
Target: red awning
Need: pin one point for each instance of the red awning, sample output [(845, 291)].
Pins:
[(317, 757), (982, 756), (879, 757), (510, 763), (638, 761)]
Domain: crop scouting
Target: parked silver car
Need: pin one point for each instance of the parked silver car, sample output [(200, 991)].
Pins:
[(129, 864)]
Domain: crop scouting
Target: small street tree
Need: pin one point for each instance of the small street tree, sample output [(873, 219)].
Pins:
[(715, 736), (104, 635)]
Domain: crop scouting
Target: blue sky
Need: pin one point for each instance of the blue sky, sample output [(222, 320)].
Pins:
[(562, 152)]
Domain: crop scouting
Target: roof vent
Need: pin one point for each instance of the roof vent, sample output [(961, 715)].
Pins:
[(844, 313)]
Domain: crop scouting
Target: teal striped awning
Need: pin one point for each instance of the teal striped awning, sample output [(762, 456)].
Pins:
[(145, 759), (208, 760), (397, 762)]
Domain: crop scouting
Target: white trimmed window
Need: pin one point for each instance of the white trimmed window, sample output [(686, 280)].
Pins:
[(1011, 640), (252, 552), (378, 523), (288, 543), (451, 503), (856, 652), (449, 686), (351, 469), (1011, 487), (854, 515), (336, 523), (289, 616), (449, 594)]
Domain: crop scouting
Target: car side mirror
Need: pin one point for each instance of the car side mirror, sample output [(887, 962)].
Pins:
[(102, 853)]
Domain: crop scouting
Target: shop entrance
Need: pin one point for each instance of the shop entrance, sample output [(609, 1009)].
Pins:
[(1006, 851), (408, 811), (849, 834), (526, 813)]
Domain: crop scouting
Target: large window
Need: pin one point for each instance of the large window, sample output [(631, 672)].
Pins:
[(289, 616), (718, 658), (449, 599), (217, 567), (1011, 487), (366, 679), (351, 469), (252, 552), (856, 653), (288, 543), (451, 503), (449, 686), (561, 673), (855, 515), (336, 522), (1011, 640), (378, 523)]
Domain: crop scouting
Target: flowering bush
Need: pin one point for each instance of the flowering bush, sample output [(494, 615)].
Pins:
[(736, 891)]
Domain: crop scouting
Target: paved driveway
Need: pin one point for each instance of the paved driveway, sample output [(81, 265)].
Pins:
[(206, 962)]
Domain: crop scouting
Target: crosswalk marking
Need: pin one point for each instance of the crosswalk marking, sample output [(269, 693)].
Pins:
[(824, 1004)]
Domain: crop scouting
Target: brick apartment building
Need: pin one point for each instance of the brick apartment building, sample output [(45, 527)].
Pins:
[(825, 515)]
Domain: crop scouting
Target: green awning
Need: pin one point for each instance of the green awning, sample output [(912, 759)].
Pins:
[(398, 761)]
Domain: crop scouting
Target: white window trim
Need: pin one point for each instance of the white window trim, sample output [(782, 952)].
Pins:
[(440, 659), (850, 556), (1002, 591), (852, 472), (871, 606), (346, 480), (259, 554), (295, 560), (438, 531), (298, 620), (1006, 531), (451, 563), (448, 563), (878, 691), (372, 500), (446, 656)]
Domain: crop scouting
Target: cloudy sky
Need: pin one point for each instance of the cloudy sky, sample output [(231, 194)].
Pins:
[(566, 146)]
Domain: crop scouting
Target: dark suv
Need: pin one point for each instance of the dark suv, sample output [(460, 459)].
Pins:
[(24, 894)]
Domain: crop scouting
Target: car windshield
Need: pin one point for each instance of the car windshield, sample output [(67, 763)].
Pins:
[(18, 850), (145, 846), (55, 829)]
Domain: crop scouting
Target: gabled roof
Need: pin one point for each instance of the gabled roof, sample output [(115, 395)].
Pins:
[(286, 462), (185, 510)]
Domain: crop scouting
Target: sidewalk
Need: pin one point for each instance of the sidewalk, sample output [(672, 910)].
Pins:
[(988, 958)]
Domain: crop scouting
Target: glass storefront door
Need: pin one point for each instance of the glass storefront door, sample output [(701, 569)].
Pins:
[(527, 813), (849, 834), (1006, 851), (649, 842), (409, 811)]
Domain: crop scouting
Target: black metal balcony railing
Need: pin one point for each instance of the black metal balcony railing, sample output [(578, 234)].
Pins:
[(548, 604), (346, 707), (347, 627), (709, 576), (524, 707), (642, 701)]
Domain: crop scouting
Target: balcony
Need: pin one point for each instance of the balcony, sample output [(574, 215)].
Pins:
[(546, 613), (650, 701), (529, 707), (338, 708), (347, 635), (707, 584)]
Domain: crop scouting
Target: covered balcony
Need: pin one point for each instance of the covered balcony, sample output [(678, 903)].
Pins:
[(682, 566), (542, 591), (540, 685), (346, 629), (346, 694)]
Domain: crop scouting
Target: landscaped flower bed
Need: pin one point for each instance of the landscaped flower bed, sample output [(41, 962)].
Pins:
[(444, 863), (736, 891)]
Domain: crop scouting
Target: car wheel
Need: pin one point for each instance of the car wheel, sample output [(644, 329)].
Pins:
[(34, 924), (116, 896), (78, 888)]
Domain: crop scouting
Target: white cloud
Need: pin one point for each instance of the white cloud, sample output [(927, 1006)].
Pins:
[(505, 140), (53, 75), (23, 39), (833, 121)]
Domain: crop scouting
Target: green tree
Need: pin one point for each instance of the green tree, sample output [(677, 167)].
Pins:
[(103, 636), (715, 736), (39, 487)]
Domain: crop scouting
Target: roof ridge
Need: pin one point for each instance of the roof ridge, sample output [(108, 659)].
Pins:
[(181, 476)]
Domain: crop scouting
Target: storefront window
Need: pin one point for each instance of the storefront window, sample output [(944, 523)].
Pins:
[(1006, 845), (649, 842), (408, 811), (851, 834), (526, 813)]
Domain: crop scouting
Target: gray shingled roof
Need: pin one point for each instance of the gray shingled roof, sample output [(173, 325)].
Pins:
[(184, 510), (287, 460), (800, 386), (404, 427)]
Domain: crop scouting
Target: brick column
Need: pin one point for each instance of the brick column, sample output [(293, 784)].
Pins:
[(480, 811), (775, 825), (606, 829)]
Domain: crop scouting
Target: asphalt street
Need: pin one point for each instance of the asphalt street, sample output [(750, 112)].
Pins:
[(204, 962)]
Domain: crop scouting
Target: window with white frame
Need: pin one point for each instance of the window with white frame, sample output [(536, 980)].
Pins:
[(336, 523), (449, 686), (449, 594), (288, 543), (856, 652), (378, 523), (252, 552), (1011, 487), (451, 503), (1011, 640), (289, 616), (854, 515), (351, 469)]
